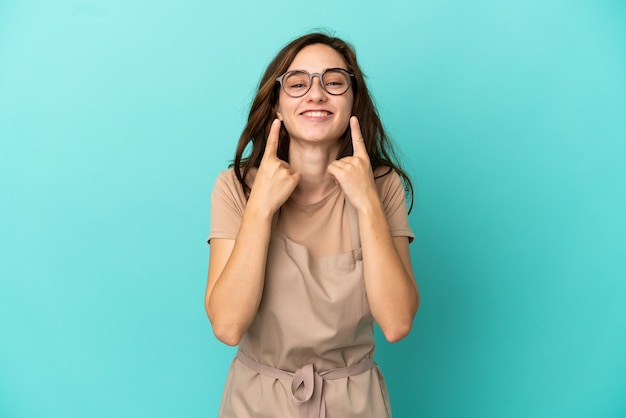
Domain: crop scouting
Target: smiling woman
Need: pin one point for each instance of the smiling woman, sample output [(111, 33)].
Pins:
[(314, 114), (310, 243)]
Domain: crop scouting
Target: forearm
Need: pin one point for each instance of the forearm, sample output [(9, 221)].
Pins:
[(235, 295), (391, 289)]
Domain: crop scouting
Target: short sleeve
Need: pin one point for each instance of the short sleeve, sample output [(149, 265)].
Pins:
[(393, 196), (227, 206)]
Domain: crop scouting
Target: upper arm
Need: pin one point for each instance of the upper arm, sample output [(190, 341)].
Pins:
[(227, 205), (402, 247), (220, 251), (393, 198)]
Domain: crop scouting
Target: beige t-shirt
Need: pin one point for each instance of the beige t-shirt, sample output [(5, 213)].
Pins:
[(322, 227)]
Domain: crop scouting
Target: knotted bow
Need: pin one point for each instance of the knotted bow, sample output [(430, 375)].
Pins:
[(312, 405), (311, 397)]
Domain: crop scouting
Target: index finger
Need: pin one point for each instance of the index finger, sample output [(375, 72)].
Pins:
[(271, 145), (358, 144)]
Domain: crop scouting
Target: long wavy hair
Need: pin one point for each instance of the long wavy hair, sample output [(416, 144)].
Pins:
[(263, 112)]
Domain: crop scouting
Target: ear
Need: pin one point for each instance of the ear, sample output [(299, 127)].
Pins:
[(279, 116)]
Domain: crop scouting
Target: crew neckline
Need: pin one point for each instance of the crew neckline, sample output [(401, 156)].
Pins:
[(296, 202)]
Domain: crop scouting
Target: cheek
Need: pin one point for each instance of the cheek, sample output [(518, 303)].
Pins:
[(350, 102), (283, 110), (348, 105), (279, 114)]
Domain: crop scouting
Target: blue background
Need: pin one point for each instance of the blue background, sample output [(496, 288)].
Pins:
[(116, 116)]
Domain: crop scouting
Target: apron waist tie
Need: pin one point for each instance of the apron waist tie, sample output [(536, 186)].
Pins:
[(312, 404)]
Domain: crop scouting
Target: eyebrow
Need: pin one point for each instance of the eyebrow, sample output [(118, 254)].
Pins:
[(331, 68)]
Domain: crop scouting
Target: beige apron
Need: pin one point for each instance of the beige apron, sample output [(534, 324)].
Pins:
[(308, 353)]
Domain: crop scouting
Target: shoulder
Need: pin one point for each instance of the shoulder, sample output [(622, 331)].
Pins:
[(228, 202), (387, 180), (227, 188), (228, 179), (393, 194), (391, 188)]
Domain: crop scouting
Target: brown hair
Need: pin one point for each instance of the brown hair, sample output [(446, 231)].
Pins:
[(263, 112)]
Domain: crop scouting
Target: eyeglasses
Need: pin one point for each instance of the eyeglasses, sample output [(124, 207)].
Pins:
[(297, 83)]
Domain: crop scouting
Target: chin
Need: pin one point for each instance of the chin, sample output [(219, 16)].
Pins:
[(321, 136)]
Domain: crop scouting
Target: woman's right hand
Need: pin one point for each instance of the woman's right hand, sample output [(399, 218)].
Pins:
[(274, 181), (237, 267)]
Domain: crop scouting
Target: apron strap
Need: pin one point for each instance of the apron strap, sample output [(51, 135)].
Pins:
[(353, 219)]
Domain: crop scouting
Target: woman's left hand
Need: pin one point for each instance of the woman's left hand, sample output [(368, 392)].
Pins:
[(354, 173), (391, 291)]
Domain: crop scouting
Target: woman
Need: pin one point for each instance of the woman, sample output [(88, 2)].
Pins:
[(310, 243)]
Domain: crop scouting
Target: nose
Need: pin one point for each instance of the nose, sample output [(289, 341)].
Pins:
[(317, 92)]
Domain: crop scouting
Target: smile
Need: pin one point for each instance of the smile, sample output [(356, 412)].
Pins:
[(316, 113)]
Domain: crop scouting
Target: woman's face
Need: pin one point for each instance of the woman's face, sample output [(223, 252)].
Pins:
[(317, 116)]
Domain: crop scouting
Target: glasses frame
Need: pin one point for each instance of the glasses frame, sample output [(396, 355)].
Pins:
[(279, 80)]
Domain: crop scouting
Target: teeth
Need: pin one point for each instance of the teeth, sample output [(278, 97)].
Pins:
[(316, 114)]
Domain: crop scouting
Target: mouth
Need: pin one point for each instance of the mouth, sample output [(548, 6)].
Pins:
[(316, 113)]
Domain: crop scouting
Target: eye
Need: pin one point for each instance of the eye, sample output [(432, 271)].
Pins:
[(335, 78), (297, 80), (335, 82)]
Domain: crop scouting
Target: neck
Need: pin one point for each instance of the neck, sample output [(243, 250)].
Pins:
[(312, 160)]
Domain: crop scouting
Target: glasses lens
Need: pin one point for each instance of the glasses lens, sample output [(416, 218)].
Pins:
[(296, 83), (336, 81)]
